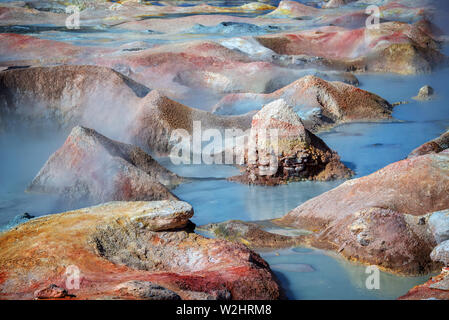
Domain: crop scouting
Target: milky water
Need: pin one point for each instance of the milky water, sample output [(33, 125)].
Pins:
[(304, 273)]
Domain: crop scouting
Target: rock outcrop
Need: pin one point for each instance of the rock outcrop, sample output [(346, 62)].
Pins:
[(69, 95), (319, 103), (51, 292), (25, 50), (250, 234), (175, 69), (434, 146), (437, 288), (156, 116), (116, 251), (425, 93), (104, 100), (232, 28), (293, 9), (92, 168), (439, 225), (382, 218), (281, 149), (393, 47), (441, 253)]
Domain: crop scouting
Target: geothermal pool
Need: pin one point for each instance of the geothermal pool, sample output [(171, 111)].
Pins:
[(365, 147), (304, 273)]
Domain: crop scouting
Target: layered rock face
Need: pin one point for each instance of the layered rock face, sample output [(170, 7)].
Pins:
[(127, 250), (393, 47), (320, 103), (281, 149), (92, 168), (382, 218), (434, 146)]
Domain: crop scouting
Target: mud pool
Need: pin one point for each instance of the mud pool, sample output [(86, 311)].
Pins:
[(304, 273), (366, 147)]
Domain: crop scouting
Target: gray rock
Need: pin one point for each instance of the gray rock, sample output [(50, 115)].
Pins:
[(425, 93), (441, 253), (51, 292), (439, 225), (146, 290)]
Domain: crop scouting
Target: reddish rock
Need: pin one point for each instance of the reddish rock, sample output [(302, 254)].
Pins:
[(281, 149), (441, 253), (19, 49), (437, 288), (93, 168), (393, 47), (175, 68), (51, 292), (439, 225), (434, 146), (111, 244), (381, 218), (318, 102)]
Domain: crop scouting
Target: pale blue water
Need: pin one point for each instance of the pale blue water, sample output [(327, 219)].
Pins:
[(333, 277), (365, 147)]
